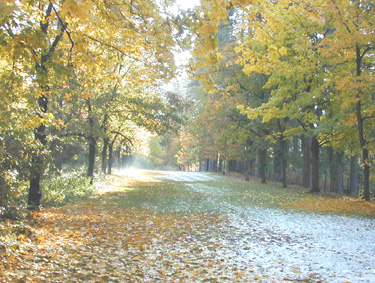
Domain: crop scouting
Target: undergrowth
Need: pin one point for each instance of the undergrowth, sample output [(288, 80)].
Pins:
[(69, 187), (57, 190)]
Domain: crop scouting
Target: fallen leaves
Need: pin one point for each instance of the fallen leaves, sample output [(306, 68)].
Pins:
[(139, 229), (331, 204), (96, 242)]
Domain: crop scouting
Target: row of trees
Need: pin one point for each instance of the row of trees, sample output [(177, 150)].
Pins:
[(76, 75), (290, 82)]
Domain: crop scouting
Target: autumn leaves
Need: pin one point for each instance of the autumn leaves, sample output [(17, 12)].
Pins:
[(315, 59)]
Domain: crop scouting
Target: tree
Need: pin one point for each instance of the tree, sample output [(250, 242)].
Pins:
[(349, 51), (46, 40)]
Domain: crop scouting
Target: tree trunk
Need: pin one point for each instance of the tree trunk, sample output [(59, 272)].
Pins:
[(277, 164), (365, 154), (91, 165), (110, 155), (35, 193), (353, 178), (262, 159), (110, 158), (104, 155), (336, 172), (366, 174), (361, 135), (296, 149), (200, 165), (333, 171), (315, 164), (119, 163), (232, 165), (2, 193), (284, 158), (248, 169), (306, 144), (207, 165), (341, 173)]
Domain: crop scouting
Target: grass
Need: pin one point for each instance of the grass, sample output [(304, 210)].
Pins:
[(300, 199), (224, 193)]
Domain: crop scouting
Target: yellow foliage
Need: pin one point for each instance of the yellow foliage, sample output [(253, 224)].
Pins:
[(68, 96), (86, 95)]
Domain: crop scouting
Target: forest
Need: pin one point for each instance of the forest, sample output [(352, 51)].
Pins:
[(250, 119), (279, 90), (286, 93)]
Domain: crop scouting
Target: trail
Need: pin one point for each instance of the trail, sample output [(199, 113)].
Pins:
[(157, 226), (293, 245)]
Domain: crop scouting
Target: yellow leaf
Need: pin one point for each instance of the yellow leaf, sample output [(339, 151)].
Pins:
[(86, 95), (68, 96)]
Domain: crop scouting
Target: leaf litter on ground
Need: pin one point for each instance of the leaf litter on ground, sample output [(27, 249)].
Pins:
[(145, 228)]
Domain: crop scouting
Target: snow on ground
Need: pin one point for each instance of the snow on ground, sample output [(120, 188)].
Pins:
[(181, 176), (289, 244), (337, 248)]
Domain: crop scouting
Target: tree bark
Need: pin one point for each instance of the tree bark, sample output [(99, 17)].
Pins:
[(306, 144), (110, 158), (277, 164), (284, 161), (361, 135), (296, 148), (353, 178), (333, 171), (35, 193), (336, 172), (248, 169), (2, 192), (200, 165), (110, 155), (315, 164), (91, 165), (104, 155), (262, 159)]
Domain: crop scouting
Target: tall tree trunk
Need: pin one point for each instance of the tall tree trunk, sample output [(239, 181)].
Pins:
[(110, 159), (353, 178), (248, 169), (91, 165), (277, 164), (315, 164), (296, 148), (262, 159), (336, 172), (333, 171), (341, 173), (119, 161), (361, 135), (306, 145), (104, 154), (200, 165), (110, 155), (284, 161), (35, 193)]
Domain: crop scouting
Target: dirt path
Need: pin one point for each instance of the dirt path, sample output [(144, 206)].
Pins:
[(189, 227)]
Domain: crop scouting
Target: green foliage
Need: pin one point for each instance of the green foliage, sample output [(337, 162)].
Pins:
[(14, 200), (69, 187), (164, 151)]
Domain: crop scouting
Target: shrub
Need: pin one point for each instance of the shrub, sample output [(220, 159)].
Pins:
[(69, 187)]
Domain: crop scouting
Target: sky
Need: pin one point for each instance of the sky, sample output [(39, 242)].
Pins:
[(182, 57), (186, 4)]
